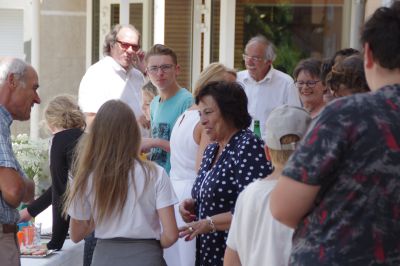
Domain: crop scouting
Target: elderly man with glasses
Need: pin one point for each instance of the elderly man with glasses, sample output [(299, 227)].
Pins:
[(266, 87), (114, 76)]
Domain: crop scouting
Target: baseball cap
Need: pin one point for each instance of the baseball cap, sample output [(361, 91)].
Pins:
[(285, 120)]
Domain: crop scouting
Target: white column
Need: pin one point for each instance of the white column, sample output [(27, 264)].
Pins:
[(147, 25), (227, 32), (196, 46), (357, 20), (159, 21), (124, 12), (201, 37), (89, 12), (35, 61), (206, 30)]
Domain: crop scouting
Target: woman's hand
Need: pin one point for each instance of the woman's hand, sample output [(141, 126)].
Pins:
[(24, 216), (193, 229), (186, 210)]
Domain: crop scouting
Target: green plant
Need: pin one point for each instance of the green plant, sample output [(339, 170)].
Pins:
[(33, 157), (274, 22)]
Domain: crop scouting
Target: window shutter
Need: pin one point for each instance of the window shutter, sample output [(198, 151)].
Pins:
[(12, 32)]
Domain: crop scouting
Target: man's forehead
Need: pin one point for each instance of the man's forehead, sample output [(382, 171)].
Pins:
[(32, 76), (128, 34), (159, 59), (254, 45)]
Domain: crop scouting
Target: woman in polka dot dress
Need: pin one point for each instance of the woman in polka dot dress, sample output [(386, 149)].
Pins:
[(233, 161)]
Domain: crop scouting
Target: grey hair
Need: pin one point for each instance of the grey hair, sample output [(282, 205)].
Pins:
[(111, 37), (14, 66), (270, 53)]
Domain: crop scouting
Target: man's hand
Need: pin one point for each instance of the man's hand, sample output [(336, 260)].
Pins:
[(24, 216), (139, 62)]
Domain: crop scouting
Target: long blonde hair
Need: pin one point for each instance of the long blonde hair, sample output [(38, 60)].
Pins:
[(108, 153), (213, 72)]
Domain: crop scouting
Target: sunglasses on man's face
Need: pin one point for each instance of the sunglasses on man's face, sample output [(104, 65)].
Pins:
[(125, 46)]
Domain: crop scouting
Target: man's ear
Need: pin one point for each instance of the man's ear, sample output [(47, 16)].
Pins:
[(12, 80), (368, 57), (177, 69), (267, 154)]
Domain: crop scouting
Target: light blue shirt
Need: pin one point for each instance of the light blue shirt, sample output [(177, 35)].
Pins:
[(163, 118), (8, 214)]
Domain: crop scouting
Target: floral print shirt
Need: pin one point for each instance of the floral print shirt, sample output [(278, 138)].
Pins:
[(353, 154)]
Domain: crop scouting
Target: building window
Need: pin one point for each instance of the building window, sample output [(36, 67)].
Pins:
[(298, 28)]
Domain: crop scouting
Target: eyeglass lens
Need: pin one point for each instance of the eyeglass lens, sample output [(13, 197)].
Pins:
[(125, 46), (163, 68)]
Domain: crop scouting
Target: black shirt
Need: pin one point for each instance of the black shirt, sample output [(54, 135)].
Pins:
[(61, 155)]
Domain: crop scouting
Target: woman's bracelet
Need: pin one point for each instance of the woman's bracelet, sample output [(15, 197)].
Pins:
[(211, 224)]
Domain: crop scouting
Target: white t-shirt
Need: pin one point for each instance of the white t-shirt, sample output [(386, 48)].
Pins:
[(139, 218), (107, 80), (255, 235), (183, 146), (276, 89)]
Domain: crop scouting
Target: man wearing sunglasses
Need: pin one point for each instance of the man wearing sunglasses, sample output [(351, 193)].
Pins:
[(266, 87), (114, 76)]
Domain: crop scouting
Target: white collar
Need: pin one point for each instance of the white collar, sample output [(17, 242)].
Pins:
[(266, 77)]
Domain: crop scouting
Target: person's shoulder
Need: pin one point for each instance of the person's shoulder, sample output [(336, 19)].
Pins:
[(185, 93), (184, 96), (348, 104), (66, 136), (259, 189), (344, 110), (101, 64), (96, 71), (277, 74), (246, 136), (245, 141)]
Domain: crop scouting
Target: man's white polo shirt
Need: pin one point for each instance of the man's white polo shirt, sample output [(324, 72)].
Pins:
[(275, 89), (107, 80)]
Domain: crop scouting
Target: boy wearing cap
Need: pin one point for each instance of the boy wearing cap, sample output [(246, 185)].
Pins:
[(255, 237)]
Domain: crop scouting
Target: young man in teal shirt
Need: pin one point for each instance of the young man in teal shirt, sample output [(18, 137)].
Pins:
[(172, 101)]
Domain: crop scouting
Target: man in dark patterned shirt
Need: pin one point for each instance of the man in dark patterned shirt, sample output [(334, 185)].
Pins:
[(18, 93), (341, 188)]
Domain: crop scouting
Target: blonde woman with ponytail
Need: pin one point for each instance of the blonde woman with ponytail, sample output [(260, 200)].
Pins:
[(66, 123), (120, 196)]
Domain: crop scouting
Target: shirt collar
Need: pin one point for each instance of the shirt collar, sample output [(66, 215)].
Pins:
[(266, 78), (117, 67), (6, 115)]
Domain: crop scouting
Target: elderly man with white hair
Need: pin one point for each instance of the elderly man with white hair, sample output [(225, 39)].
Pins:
[(18, 93), (266, 87)]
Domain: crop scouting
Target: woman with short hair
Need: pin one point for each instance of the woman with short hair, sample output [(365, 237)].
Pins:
[(188, 142), (311, 89), (233, 160)]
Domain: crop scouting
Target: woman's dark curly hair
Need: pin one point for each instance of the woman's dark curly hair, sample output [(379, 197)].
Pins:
[(231, 100)]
